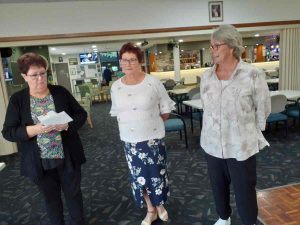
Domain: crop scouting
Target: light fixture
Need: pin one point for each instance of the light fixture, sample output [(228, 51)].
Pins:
[(138, 43), (63, 53), (94, 46), (256, 35), (180, 40)]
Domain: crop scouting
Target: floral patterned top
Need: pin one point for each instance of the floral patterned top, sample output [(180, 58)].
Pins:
[(138, 109), (50, 143), (235, 112)]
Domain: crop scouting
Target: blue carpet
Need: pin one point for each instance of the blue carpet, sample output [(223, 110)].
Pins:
[(106, 189)]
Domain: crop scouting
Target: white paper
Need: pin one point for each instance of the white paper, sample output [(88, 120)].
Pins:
[(53, 118)]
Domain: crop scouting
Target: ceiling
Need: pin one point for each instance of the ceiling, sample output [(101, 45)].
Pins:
[(115, 45)]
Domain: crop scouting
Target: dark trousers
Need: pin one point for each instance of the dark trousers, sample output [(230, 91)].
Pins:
[(242, 175), (51, 185)]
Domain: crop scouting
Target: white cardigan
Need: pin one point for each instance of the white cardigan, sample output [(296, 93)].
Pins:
[(138, 109)]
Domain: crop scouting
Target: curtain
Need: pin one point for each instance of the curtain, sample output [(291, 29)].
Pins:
[(289, 66)]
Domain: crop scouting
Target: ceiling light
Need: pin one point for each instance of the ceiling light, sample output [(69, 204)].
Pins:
[(63, 53), (138, 43), (256, 35), (94, 46), (53, 49), (180, 40)]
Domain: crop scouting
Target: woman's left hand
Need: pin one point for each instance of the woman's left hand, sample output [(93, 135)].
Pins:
[(165, 116), (61, 127)]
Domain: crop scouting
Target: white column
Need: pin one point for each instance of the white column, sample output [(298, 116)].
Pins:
[(176, 58), (6, 146)]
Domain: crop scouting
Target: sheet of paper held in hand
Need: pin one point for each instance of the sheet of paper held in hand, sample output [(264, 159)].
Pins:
[(53, 118)]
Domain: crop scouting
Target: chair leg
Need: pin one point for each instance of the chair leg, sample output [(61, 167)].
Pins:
[(89, 120), (185, 136), (191, 115)]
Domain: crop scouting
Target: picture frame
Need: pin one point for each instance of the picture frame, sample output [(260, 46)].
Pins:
[(215, 9)]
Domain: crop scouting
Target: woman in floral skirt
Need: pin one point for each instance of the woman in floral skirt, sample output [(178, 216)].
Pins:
[(141, 104)]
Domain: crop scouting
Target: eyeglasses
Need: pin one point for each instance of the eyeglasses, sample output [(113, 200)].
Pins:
[(216, 46), (128, 61), (35, 76)]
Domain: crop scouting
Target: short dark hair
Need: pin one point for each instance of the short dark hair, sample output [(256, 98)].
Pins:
[(31, 59), (131, 48)]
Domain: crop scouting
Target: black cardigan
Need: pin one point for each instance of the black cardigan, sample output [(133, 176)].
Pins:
[(18, 116)]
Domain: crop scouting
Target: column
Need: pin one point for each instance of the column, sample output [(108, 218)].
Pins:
[(176, 56), (6, 146)]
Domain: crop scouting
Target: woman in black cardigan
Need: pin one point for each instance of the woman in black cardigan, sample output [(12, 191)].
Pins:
[(51, 156)]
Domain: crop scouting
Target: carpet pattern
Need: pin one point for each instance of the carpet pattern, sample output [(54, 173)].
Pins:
[(105, 182)]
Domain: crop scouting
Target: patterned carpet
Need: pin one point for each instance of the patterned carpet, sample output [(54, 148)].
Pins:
[(105, 186)]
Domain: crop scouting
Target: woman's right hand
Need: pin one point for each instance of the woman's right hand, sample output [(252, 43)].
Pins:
[(39, 128)]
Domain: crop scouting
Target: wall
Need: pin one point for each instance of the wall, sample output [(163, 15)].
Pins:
[(76, 71), (98, 16)]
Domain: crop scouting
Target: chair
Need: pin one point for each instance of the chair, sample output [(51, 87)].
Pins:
[(293, 111), (106, 91), (193, 92), (278, 104), (169, 84), (83, 89), (95, 83), (176, 123), (86, 104)]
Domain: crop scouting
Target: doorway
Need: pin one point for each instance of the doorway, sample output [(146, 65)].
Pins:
[(63, 76)]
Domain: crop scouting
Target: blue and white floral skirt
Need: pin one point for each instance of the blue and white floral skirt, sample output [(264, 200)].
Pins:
[(147, 162)]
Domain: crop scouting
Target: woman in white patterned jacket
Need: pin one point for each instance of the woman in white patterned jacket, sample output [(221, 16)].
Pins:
[(236, 103)]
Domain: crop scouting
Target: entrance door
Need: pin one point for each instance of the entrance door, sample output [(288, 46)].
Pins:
[(63, 77)]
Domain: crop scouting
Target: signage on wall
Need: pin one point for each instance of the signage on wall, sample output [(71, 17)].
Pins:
[(73, 61)]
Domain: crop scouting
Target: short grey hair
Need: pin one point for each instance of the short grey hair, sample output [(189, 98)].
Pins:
[(229, 35)]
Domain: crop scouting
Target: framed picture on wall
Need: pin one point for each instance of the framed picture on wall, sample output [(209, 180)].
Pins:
[(215, 9)]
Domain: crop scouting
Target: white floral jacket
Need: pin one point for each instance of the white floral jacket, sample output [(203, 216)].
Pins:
[(235, 112)]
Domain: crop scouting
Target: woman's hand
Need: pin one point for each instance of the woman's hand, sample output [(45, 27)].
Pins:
[(165, 116), (38, 129), (61, 127)]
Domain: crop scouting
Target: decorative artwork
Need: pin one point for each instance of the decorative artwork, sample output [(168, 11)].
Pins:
[(215, 9)]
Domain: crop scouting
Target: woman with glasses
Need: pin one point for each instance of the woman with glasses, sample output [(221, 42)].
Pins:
[(236, 104), (141, 104), (51, 156)]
